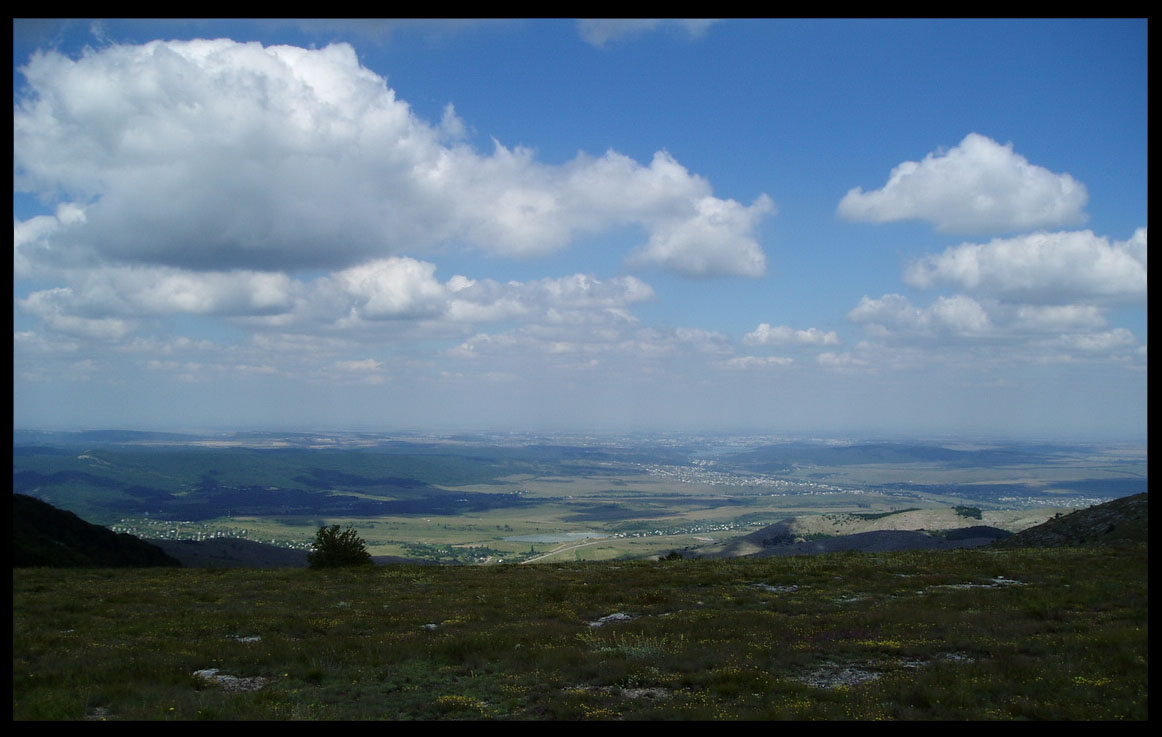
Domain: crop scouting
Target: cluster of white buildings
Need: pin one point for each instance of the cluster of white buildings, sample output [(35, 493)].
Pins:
[(150, 529), (692, 529), (701, 473), (1036, 502)]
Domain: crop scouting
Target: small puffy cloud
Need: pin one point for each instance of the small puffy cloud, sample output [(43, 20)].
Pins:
[(765, 334), (1041, 266), (841, 361), (585, 292), (162, 291), (612, 343), (1098, 342), (893, 317), (106, 302), (600, 31), (758, 362), (366, 365), (31, 250), (213, 155), (407, 289), (485, 344), (54, 307), (1057, 318), (714, 242), (297, 344), (894, 314), (167, 346), (30, 342), (707, 342), (452, 127), (366, 371), (979, 186), (189, 367), (394, 288)]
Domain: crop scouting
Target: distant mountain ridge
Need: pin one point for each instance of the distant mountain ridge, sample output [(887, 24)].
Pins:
[(783, 456), (100, 437), (43, 535)]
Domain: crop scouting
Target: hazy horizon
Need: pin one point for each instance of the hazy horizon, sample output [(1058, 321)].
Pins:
[(862, 228), (644, 434)]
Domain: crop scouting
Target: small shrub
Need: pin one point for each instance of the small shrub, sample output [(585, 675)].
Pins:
[(334, 548)]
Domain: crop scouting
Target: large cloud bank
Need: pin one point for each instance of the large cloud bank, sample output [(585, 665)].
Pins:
[(212, 155)]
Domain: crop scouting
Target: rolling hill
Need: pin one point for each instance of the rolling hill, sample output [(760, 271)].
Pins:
[(1119, 522)]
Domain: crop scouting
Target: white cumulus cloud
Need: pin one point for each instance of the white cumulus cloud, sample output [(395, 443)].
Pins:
[(394, 288), (54, 307), (758, 362), (895, 315), (133, 292), (1099, 342), (960, 318), (980, 186), (716, 241), (216, 155), (1054, 266), (765, 334), (390, 293)]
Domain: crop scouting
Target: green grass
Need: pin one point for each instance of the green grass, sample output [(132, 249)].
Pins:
[(976, 634)]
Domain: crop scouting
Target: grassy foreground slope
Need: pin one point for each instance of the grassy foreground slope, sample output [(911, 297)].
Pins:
[(971, 634)]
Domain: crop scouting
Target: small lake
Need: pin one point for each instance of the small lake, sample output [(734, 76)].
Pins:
[(555, 537)]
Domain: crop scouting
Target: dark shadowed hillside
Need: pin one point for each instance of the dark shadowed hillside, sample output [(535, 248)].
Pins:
[(230, 552), (43, 535), (1122, 521)]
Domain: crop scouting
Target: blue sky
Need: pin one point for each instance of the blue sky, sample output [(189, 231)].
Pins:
[(876, 227)]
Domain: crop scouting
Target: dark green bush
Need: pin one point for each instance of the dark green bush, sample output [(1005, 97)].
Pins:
[(335, 547)]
